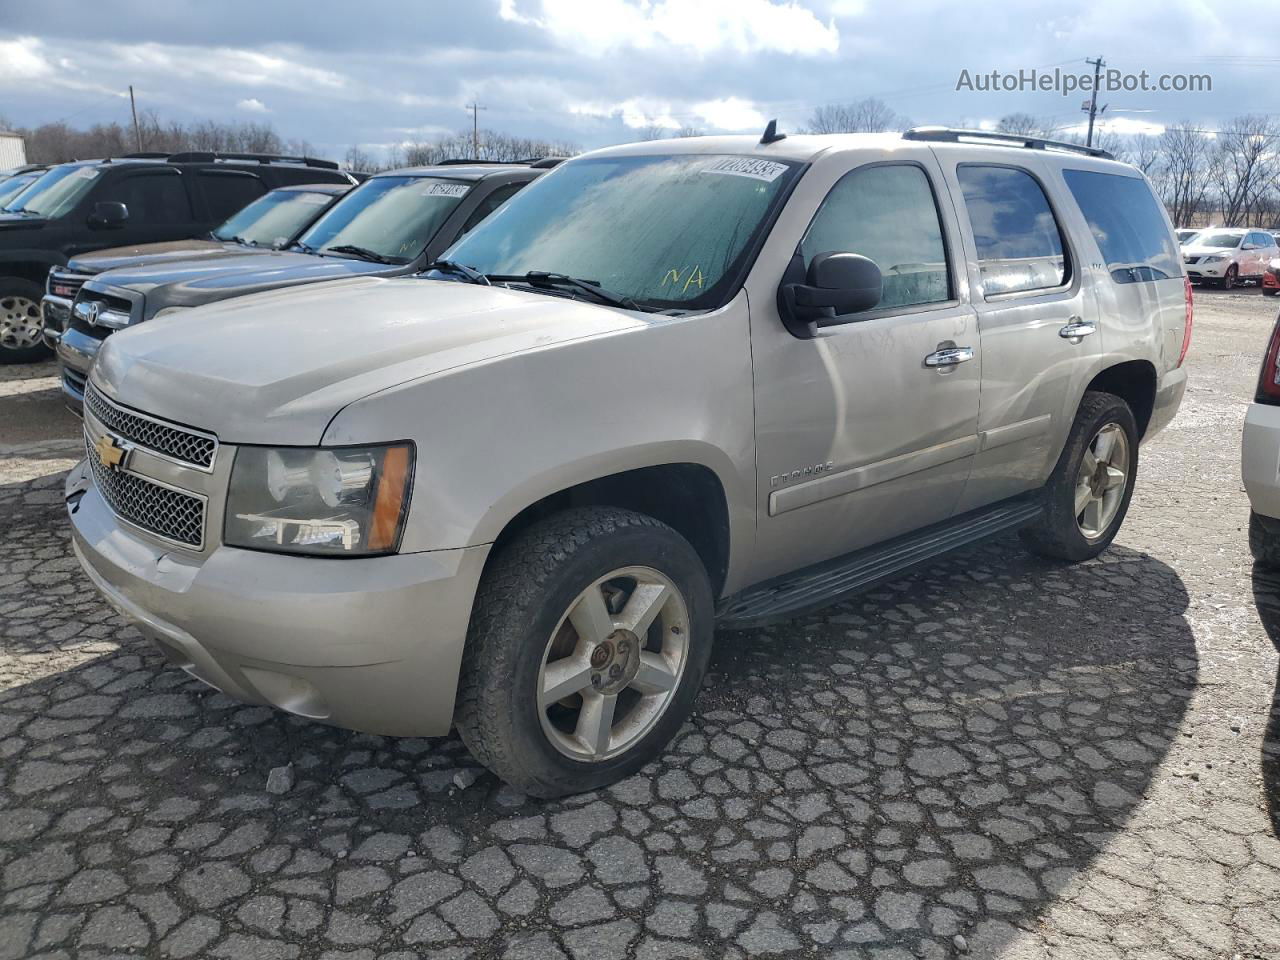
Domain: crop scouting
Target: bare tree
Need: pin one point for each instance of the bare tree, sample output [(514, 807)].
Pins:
[(1144, 153), (1182, 174), (1243, 166), (863, 116), (1026, 125), (358, 160)]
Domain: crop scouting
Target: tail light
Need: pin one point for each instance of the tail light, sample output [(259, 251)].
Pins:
[(1186, 329), (1269, 378)]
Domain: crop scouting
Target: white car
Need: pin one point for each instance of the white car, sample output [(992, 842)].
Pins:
[(1185, 234), (1260, 458), (1227, 255)]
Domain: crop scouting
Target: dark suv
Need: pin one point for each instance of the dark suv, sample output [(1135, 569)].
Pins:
[(272, 222), (394, 223), (142, 198)]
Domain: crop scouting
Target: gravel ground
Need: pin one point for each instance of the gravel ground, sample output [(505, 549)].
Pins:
[(994, 757)]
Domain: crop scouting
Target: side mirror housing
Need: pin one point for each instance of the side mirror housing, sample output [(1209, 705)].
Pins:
[(836, 284), (108, 213)]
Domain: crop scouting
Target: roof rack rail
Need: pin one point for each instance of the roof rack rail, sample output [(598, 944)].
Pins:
[(540, 163), (207, 156), (145, 155), (957, 135)]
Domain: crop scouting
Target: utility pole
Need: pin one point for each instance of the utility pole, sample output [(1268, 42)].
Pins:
[(137, 134), (1093, 100), (475, 109)]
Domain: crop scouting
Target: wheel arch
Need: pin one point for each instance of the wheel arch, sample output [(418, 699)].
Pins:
[(688, 496), (1134, 382)]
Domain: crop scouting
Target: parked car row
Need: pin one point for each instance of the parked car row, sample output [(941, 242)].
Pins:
[(664, 386), (1225, 256), (74, 208)]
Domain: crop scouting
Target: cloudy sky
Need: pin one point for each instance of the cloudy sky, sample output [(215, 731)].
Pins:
[(596, 71)]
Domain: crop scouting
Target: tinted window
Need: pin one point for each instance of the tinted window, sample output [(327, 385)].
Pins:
[(663, 229), (151, 198), (887, 214), (225, 193), (1019, 243), (1127, 223), (57, 192), (489, 204)]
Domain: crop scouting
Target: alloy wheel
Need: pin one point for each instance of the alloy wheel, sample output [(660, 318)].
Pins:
[(21, 323), (613, 664), (1101, 481)]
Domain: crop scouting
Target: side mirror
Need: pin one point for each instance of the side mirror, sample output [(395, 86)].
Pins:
[(108, 213), (836, 284)]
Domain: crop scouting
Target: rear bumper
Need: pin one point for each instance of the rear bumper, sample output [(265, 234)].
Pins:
[(1168, 398), (1260, 458), (369, 644)]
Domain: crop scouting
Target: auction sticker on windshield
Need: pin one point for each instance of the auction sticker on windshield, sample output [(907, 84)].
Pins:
[(446, 190), (766, 170)]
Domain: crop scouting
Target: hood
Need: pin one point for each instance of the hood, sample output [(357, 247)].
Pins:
[(1194, 250), (20, 221), (149, 254), (192, 282), (277, 367)]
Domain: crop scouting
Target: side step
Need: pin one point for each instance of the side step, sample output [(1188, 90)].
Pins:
[(834, 580)]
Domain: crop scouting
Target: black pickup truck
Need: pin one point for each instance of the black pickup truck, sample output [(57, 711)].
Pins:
[(141, 198)]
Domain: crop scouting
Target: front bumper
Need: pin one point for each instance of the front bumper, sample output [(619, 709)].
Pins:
[(371, 644), (76, 352), (56, 315), (1260, 458)]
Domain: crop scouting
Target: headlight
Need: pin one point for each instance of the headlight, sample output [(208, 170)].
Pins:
[(1215, 259), (341, 501)]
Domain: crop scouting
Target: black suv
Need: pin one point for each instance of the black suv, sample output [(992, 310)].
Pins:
[(141, 198), (394, 223)]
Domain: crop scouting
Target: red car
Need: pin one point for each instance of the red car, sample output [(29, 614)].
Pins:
[(1271, 279)]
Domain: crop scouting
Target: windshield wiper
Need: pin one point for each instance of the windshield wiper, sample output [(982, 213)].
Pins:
[(243, 242), (538, 278), (361, 253), (301, 247), (458, 269)]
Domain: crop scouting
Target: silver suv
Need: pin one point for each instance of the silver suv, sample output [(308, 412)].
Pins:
[(668, 386)]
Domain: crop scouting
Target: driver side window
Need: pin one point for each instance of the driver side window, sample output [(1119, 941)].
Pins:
[(886, 213)]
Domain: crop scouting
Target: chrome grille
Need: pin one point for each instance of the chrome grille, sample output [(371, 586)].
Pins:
[(160, 510), (177, 443), (65, 285)]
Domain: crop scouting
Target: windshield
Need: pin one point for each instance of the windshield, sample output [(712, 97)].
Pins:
[(56, 192), (11, 187), (667, 230), (275, 219), (394, 217), (1222, 241)]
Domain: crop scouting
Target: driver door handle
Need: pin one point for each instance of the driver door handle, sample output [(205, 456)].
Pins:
[(948, 357), (1077, 329)]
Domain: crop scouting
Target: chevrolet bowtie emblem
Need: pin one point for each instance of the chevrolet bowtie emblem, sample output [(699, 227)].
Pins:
[(110, 454)]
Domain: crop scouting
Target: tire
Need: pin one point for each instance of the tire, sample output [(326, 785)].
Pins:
[(521, 626), (1264, 540), (21, 321), (1063, 532), (1270, 292), (1230, 277)]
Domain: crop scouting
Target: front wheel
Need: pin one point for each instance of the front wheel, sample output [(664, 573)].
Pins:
[(1230, 277), (589, 638), (1088, 493), (21, 322)]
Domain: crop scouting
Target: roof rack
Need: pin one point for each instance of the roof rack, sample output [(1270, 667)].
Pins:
[(956, 135), (539, 163), (145, 155), (208, 156)]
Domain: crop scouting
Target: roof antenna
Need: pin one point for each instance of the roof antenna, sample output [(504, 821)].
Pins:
[(771, 134)]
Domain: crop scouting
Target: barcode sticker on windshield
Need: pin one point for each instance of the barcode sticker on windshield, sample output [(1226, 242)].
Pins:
[(766, 170), (446, 190), (86, 173), (314, 199)]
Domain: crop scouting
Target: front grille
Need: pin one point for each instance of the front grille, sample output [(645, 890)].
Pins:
[(74, 380), (65, 285), (165, 512), (177, 443)]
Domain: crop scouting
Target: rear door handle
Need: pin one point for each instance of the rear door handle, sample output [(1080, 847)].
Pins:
[(1077, 329), (948, 357)]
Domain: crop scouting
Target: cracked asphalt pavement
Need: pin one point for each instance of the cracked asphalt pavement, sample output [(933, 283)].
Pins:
[(994, 757)]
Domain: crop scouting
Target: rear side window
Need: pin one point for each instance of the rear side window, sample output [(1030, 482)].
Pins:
[(1126, 221), (150, 197), (1019, 241), (227, 192), (887, 214)]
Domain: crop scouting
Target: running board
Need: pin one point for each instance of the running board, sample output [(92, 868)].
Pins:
[(834, 580)]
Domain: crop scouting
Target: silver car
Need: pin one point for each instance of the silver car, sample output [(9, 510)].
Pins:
[(668, 386)]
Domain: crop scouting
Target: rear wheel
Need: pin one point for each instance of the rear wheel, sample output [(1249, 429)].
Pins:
[(1271, 291), (590, 636), (21, 322), (1088, 493)]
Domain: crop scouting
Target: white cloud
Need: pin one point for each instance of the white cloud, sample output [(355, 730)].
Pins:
[(252, 105), (726, 113), (224, 66), (1125, 126), (23, 59), (597, 27), (730, 113)]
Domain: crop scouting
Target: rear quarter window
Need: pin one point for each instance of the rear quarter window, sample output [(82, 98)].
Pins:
[(1126, 221)]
